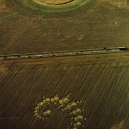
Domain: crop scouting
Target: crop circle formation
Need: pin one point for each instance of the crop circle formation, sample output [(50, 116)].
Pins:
[(44, 109), (52, 5)]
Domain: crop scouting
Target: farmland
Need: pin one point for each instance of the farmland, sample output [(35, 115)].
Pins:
[(71, 86), (100, 24), (100, 81)]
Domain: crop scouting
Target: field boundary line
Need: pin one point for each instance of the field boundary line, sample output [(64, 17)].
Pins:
[(64, 53)]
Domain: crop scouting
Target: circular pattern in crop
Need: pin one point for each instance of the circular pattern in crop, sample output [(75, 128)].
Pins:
[(51, 5), (46, 107)]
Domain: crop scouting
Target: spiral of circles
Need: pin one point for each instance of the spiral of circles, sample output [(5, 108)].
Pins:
[(43, 110)]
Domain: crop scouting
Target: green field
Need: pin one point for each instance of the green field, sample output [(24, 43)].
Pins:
[(100, 81), (97, 83), (100, 24)]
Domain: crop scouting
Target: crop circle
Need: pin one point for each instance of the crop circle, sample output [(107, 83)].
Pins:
[(52, 5), (46, 107)]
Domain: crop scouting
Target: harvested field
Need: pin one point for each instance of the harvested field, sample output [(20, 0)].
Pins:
[(100, 81)]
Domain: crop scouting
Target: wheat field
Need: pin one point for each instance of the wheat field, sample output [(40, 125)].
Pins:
[(101, 24), (99, 81)]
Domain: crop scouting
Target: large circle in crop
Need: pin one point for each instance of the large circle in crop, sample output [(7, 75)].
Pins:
[(52, 5)]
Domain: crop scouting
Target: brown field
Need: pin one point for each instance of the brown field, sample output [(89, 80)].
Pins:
[(100, 81)]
